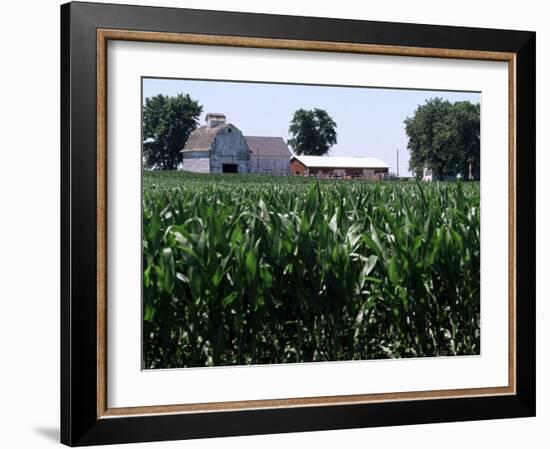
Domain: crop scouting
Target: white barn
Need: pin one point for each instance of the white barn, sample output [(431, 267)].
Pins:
[(221, 147), (268, 155)]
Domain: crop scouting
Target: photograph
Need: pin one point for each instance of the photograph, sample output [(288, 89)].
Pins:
[(292, 223)]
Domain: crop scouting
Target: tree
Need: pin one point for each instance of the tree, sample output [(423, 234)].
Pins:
[(167, 123), (463, 134), (312, 132), (444, 137)]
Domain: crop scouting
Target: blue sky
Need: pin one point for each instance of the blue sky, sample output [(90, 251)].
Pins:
[(369, 120)]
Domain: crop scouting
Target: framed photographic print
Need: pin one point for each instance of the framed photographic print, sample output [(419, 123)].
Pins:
[(277, 224)]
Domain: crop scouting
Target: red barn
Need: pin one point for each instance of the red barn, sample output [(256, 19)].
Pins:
[(367, 168)]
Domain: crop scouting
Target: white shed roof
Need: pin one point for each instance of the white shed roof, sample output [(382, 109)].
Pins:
[(341, 161)]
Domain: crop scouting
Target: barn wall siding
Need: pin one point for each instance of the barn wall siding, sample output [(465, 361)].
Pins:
[(196, 164), (273, 165), (368, 173), (229, 147), (297, 168)]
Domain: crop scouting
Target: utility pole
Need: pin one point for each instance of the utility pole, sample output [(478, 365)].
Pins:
[(398, 162)]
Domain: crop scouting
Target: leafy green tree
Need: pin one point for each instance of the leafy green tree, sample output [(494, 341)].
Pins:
[(462, 132), (312, 132), (167, 123), (445, 137)]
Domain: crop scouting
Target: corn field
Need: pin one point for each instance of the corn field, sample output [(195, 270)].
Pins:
[(253, 269)]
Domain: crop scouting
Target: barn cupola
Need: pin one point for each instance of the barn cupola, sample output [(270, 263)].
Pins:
[(214, 119)]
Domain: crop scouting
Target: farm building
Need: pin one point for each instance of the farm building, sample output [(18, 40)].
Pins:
[(368, 168), (220, 147), (217, 147), (268, 155)]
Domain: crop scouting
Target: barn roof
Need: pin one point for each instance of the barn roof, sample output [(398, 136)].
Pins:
[(341, 162), (267, 146), (201, 139)]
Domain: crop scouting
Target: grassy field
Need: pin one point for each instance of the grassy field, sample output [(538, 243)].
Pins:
[(251, 269)]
